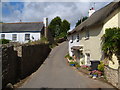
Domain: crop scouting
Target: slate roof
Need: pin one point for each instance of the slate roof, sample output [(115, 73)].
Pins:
[(98, 17), (21, 27)]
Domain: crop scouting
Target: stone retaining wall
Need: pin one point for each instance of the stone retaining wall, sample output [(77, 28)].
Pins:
[(119, 78), (9, 65), (20, 61), (32, 56), (112, 76)]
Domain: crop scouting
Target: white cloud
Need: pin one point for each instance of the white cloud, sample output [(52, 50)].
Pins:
[(57, 0), (36, 11)]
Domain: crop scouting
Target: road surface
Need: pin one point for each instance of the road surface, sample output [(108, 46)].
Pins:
[(55, 73)]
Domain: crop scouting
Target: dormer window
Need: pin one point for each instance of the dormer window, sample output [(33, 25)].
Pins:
[(78, 37)]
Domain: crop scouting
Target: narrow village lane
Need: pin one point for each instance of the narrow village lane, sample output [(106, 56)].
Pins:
[(55, 73)]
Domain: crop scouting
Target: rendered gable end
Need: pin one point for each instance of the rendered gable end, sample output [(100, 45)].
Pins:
[(112, 20)]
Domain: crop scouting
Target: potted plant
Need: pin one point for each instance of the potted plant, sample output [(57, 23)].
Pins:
[(72, 63), (77, 66)]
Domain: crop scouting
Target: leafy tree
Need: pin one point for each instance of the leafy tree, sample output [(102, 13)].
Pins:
[(111, 42), (81, 20), (59, 28), (54, 26), (65, 26)]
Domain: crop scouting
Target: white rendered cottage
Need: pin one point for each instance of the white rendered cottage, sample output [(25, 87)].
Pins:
[(85, 39), (22, 31)]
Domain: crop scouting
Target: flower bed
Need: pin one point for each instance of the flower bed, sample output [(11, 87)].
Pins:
[(96, 73), (86, 69)]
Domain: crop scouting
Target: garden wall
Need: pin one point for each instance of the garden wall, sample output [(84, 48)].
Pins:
[(20, 61), (119, 79), (9, 65), (31, 57), (112, 76)]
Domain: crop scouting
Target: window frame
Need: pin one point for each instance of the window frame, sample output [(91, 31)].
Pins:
[(2, 36), (27, 37), (72, 39), (14, 37), (87, 35), (78, 37)]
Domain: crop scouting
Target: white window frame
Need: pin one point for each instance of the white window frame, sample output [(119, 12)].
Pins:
[(27, 37), (14, 37), (2, 36)]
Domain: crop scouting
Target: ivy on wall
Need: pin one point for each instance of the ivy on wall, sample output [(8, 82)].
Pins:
[(111, 42)]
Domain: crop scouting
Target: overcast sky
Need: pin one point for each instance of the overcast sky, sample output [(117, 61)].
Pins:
[(36, 11)]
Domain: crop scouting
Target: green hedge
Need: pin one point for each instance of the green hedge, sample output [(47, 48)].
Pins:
[(4, 41)]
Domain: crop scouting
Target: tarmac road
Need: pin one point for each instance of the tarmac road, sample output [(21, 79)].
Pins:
[(55, 73)]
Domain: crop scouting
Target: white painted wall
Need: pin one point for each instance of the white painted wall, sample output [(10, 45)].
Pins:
[(112, 21), (21, 36), (75, 43), (93, 44), (114, 63)]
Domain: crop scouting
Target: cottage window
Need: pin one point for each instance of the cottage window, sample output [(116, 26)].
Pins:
[(87, 34), (2, 36), (88, 58), (27, 36), (77, 37), (14, 37), (72, 40)]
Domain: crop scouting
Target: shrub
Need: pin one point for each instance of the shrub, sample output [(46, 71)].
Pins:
[(4, 41), (67, 56), (111, 42), (82, 62), (70, 58), (77, 65), (44, 40), (52, 46), (71, 62), (101, 67)]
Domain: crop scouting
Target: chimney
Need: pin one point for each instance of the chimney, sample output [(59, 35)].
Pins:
[(91, 11), (45, 21)]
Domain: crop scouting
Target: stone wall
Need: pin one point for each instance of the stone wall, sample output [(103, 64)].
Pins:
[(22, 60), (32, 56), (119, 78), (112, 76), (9, 65)]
